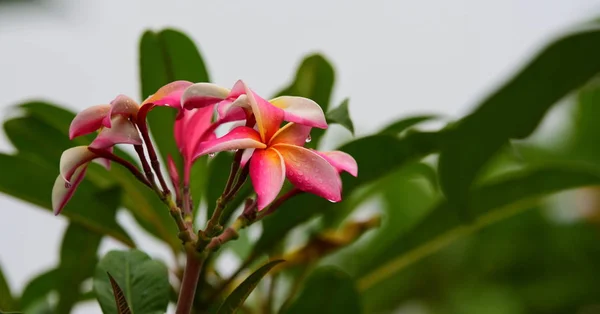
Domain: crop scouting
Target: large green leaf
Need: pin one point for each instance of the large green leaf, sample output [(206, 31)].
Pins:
[(241, 293), (39, 287), (120, 301), (327, 290), (167, 56), (7, 302), (144, 282), (77, 262), (492, 202), (516, 109), (401, 125), (87, 207), (376, 157), (341, 116), (36, 127), (314, 79)]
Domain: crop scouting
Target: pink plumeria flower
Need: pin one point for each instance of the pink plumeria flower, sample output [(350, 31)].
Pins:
[(233, 104), (279, 153)]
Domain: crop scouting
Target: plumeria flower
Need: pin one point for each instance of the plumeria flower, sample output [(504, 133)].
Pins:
[(279, 153), (116, 127), (233, 104)]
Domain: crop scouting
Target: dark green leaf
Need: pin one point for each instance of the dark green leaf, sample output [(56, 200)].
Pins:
[(85, 208), (120, 302), (376, 157), (401, 125), (144, 282), (492, 202), (314, 79), (7, 302), (327, 290), (241, 293), (341, 116), (516, 109), (167, 56), (39, 287), (219, 168)]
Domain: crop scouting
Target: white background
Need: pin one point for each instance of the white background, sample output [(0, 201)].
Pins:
[(393, 58)]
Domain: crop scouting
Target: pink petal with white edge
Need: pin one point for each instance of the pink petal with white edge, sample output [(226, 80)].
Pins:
[(203, 94), (310, 172), (291, 133), (267, 172), (72, 158), (122, 105), (105, 162), (268, 117), (63, 191), (301, 110), (341, 161), (169, 95), (239, 138), (88, 120), (191, 129), (246, 156), (122, 131)]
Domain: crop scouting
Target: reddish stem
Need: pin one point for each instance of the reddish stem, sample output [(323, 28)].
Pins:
[(134, 170)]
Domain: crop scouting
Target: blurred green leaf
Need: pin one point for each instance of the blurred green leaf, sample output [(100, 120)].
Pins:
[(314, 79), (341, 116), (237, 298), (39, 287), (121, 303), (85, 208), (401, 125), (516, 109), (376, 157), (582, 145), (327, 290), (493, 202), (167, 56), (144, 281), (77, 261), (7, 302), (216, 178)]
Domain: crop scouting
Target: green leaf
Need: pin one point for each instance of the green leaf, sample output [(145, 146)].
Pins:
[(516, 109), (402, 125), (376, 157), (327, 290), (341, 116), (314, 79), (219, 168), (492, 202), (7, 302), (86, 207), (39, 287), (144, 281), (121, 303), (167, 56), (237, 298)]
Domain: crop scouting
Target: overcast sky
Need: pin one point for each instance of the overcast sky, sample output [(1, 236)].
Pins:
[(392, 58)]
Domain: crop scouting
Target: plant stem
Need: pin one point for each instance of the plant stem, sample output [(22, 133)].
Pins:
[(189, 283), (143, 127), (139, 149), (132, 168)]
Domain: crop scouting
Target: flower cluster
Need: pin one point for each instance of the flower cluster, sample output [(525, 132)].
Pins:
[(272, 150)]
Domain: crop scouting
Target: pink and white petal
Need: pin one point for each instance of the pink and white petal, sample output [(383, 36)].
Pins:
[(341, 161), (88, 120), (239, 138), (169, 95), (301, 110), (235, 105), (268, 117), (246, 156), (197, 126), (310, 172), (122, 105), (63, 191), (267, 172), (239, 88), (203, 94), (291, 133), (104, 162), (72, 158), (122, 131)]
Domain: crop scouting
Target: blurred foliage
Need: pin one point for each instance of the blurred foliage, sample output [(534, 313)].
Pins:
[(474, 236)]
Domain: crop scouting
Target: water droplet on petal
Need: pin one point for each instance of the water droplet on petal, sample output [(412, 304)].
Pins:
[(332, 201), (211, 155), (308, 139), (67, 185), (233, 150)]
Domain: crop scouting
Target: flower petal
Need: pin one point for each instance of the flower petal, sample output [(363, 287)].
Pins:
[(122, 131), (192, 129), (310, 172), (72, 158), (341, 161), (267, 172), (268, 117), (203, 94), (88, 120), (169, 95), (291, 133), (246, 156), (239, 138), (105, 162), (173, 173), (122, 105), (63, 191), (301, 110)]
